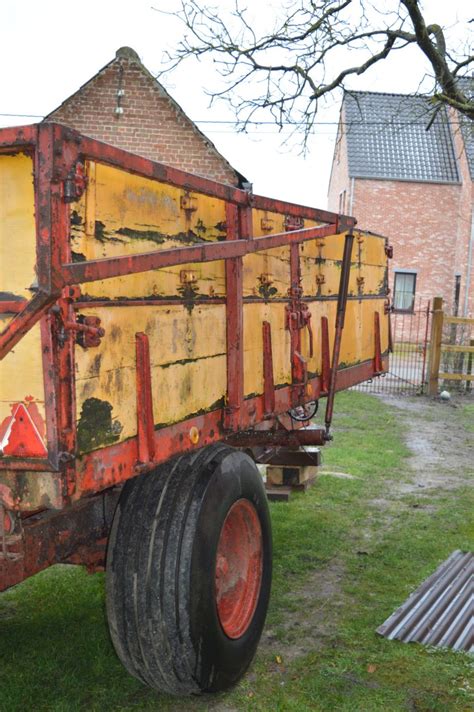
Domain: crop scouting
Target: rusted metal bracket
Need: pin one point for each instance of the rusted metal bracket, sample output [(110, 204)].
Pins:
[(293, 222), (188, 202), (87, 328), (267, 224), (75, 183), (72, 535), (298, 315)]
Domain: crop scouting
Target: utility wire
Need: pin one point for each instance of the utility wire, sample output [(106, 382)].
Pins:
[(229, 122)]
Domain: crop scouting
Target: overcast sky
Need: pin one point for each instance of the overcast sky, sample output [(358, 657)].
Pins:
[(48, 48)]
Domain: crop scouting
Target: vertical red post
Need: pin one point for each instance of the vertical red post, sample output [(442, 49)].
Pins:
[(236, 221), (53, 248), (43, 176), (325, 355), (43, 211), (145, 421), (268, 381)]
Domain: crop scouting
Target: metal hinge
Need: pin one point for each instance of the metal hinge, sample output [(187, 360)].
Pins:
[(188, 202)]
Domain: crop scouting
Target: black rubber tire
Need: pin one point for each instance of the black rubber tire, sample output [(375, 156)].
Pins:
[(160, 573)]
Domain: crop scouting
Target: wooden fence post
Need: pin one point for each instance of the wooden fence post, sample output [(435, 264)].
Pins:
[(469, 368), (435, 345)]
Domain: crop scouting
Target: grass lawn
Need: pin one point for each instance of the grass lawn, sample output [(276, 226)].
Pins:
[(347, 553)]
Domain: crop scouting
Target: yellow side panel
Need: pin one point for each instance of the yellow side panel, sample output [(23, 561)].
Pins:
[(267, 274), (266, 222), (357, 345), (254, 316), (188, 362), (321, 262), (17, 227), (21, 372), (124, 214), (372, 248)]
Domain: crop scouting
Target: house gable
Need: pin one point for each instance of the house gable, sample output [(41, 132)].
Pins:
[(124, 105)]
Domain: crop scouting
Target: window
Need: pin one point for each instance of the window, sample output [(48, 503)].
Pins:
[(342, 202), (404, 291)]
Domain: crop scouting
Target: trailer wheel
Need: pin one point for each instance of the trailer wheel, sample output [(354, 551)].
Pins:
[(189, 571)]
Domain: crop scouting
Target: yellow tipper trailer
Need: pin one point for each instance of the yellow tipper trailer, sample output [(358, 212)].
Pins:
[(159, 332)]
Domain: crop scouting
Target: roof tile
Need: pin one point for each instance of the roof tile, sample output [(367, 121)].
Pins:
[(388, 138)]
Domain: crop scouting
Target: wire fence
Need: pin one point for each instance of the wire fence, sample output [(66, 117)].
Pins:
[(409, 359)]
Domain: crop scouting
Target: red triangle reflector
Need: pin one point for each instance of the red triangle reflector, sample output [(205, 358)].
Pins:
[(19, 436)]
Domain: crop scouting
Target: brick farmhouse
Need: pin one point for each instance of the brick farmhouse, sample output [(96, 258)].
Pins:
[(124, 105), (407, 172)]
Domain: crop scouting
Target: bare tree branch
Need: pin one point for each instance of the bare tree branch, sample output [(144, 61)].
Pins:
[(285, 71)]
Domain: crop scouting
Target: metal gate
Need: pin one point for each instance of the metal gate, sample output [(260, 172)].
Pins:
[(408, 372)]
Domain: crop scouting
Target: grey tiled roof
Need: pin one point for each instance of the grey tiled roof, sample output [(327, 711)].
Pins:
[(387, 138)]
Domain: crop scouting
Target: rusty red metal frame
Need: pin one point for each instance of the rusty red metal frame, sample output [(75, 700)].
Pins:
[(57, 151), (76, 535), (112, 465), (235, 324), (67, 535)]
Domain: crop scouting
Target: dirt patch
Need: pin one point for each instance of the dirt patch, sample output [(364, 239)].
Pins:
[(442, 450), (314, 619)]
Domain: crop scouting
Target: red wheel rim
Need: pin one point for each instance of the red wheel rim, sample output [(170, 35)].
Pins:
[(239, 564)]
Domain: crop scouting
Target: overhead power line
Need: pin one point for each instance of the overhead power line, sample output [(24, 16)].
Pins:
[(229, 122), (25, 116)]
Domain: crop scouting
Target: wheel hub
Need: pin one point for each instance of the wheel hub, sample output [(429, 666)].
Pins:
[(238, 572)]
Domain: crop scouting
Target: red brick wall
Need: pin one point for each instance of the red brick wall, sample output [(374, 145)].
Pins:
[(421, 222), (151, 124)]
